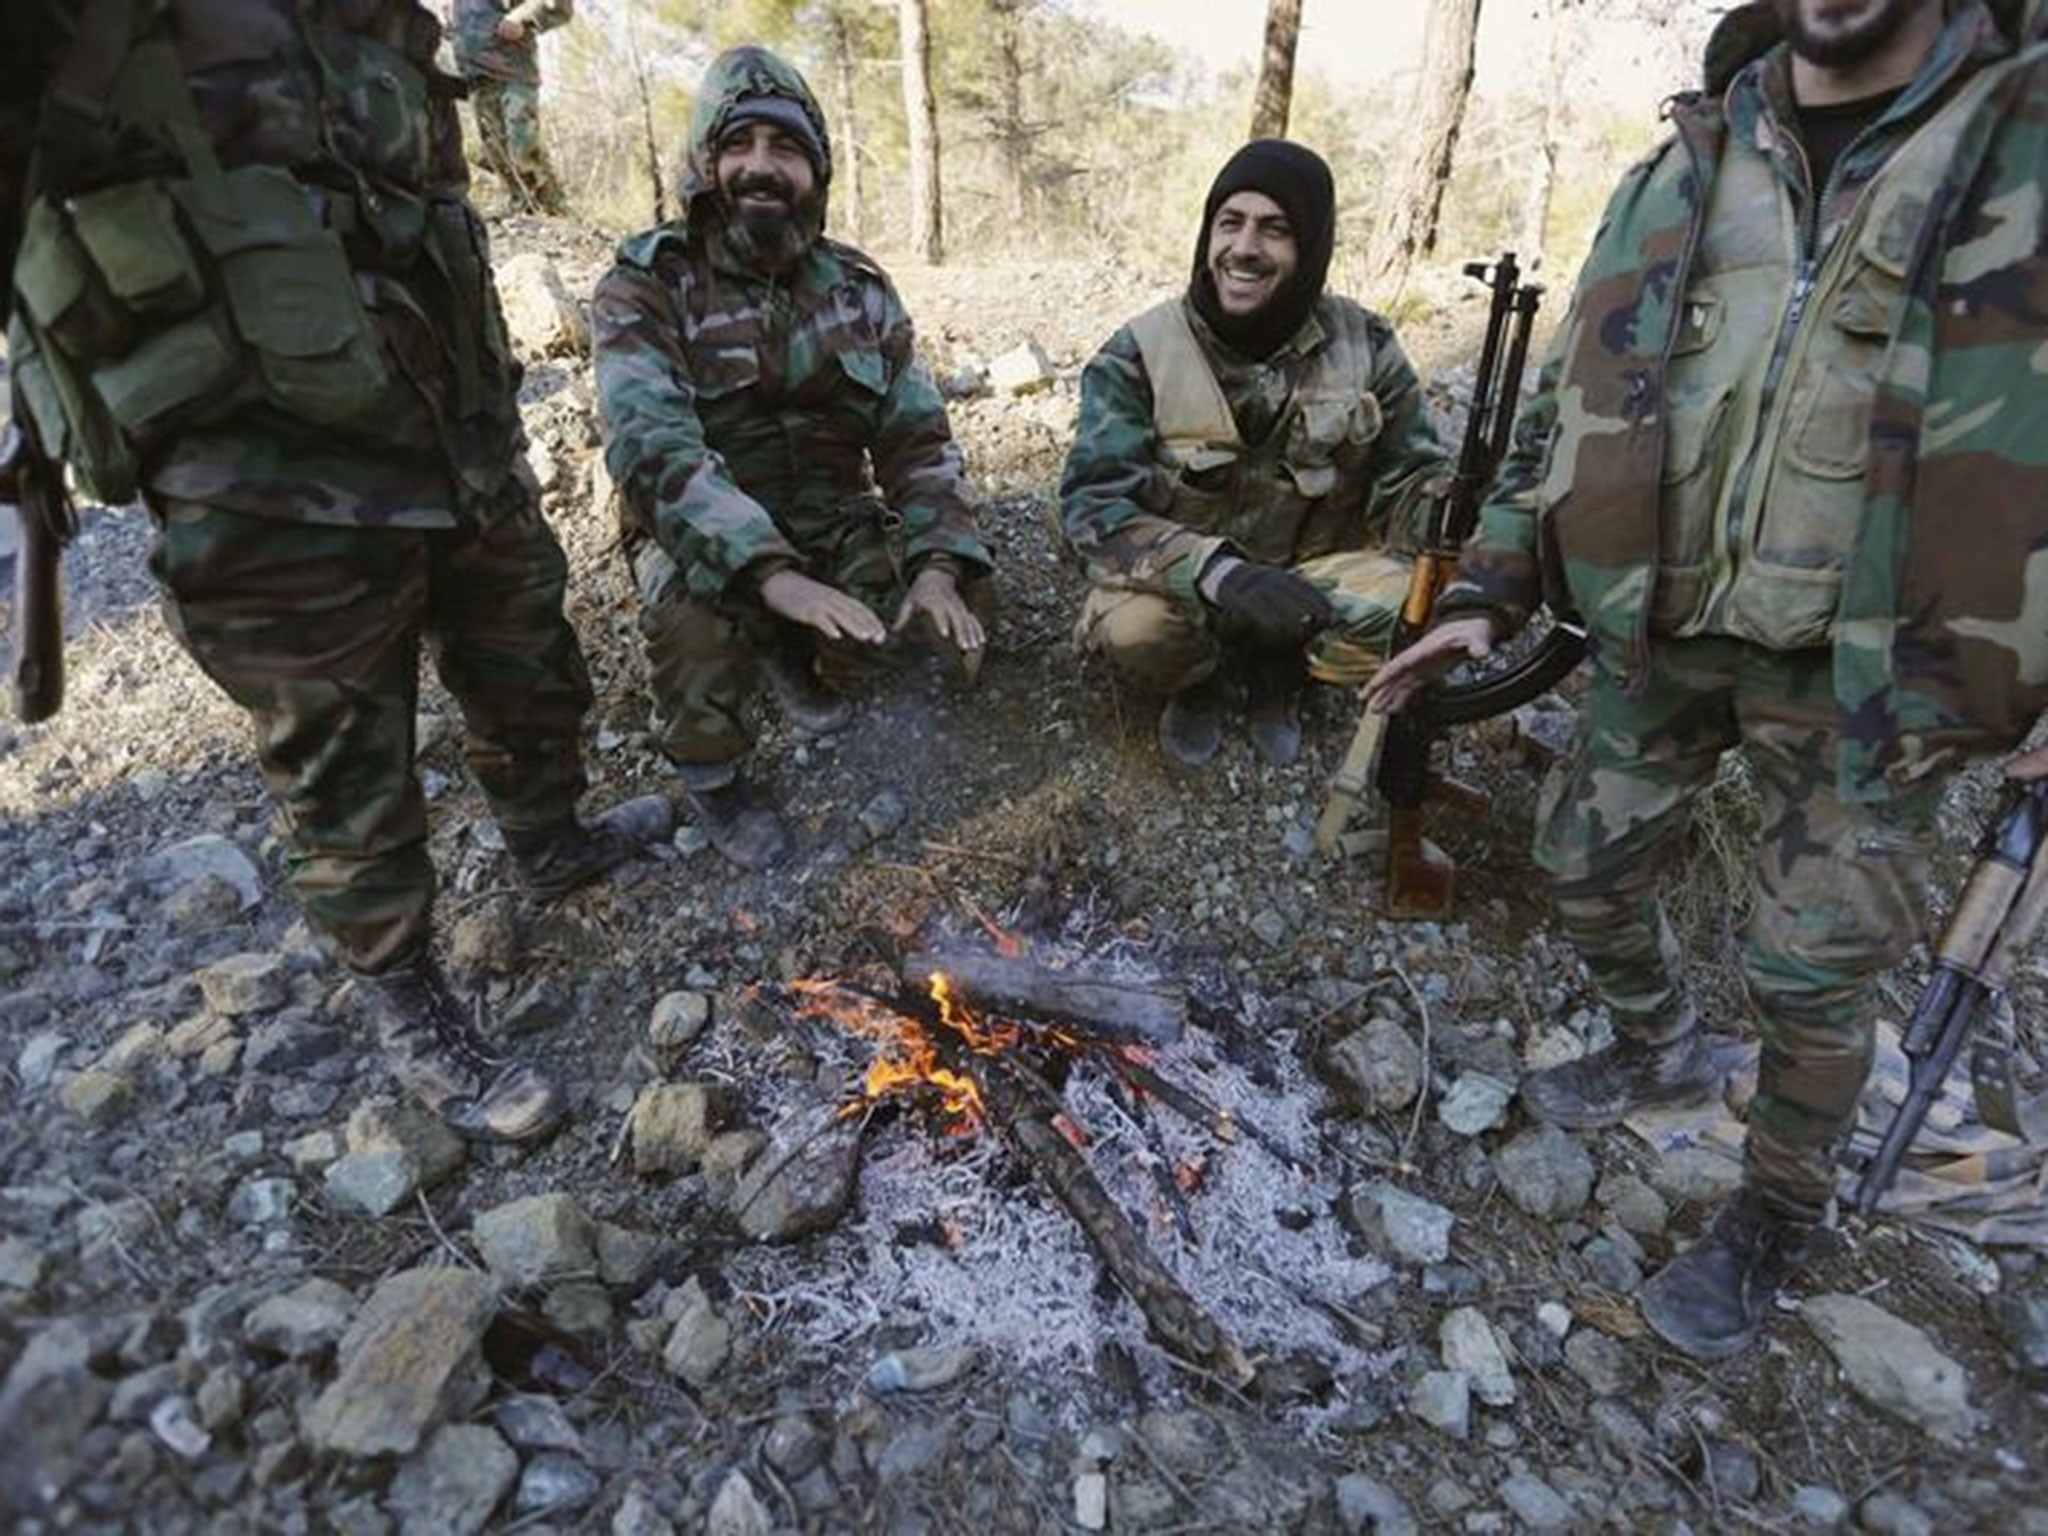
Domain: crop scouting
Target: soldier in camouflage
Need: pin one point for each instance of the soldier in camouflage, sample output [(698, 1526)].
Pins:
[(246, 286), (785, 467), (1249, 460), (1785, 461), (497, 48)]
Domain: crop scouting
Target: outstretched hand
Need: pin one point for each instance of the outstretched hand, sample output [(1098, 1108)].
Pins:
[(1448, 645), (935, 594), (832, 613)]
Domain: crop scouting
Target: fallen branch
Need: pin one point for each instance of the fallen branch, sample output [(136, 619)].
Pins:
[(1101, 1006), (1223, 1124)]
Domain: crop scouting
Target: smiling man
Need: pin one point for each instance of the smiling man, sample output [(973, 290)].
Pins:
[(1246, 455), (789, 485)]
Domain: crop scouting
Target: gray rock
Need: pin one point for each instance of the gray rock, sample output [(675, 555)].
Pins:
[(1091, 1501), (135, 1394), (2021, 1320), (637, 1515), (21, 1265), (807, 1194), (371, 1183), (700, 1340), (539, 1010), (1634, 1206), (244, 984), (1443, 1401), (262, 1202), (1470, 1345), (1368, 1507), (1701, 1174), (1406, 1226), (794, 1446), (671, 1126), (409, 1360), (737, 1510), (553, 1481), (175, 1426), (538, 1238), (1730, 1471), (1816, 1508), (95, 1094), (1546, 1172), (401, 1125), (1614, 1265), (201, 906), (1269, 927), (541, 316), (208, 855), (625, 1257), (485, 941), (536, 1424), (1600, 1362), (883, 815), (1535, 1503), (451, 1487), (727, 1160), (581, 1307), (37, 1061), (1886, 1513), (1475, 1104), (678, 1019), (290, 1044), (305, 1321), (1894, 1365), (921, 1370), (1376, 1068), (220, 1399), (313, 1152), (1023, 370), (913, 1452), (48, 1400), (304, 1101)]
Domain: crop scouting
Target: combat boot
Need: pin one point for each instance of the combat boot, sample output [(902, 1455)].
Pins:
[(439, 1058), (1191, 724), (743, 823), (1273, 683), (1600, 1088), (812, 706), (1710, 1300), (555, 860)]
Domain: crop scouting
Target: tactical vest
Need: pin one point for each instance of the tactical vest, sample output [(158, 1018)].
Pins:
[(1763, 479), (152, 307), (1302, 492)]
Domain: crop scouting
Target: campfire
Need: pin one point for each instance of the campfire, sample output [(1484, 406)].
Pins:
[(987, 1046)]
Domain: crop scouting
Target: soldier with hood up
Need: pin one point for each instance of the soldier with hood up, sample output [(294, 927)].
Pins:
[(787, 474), (1246, 455)]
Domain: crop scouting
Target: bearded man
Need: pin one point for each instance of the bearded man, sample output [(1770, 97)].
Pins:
[(1246, 455), (787, 474), (1785, 461)]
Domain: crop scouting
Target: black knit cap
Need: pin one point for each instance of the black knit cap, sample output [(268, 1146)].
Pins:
[(1298, 179)]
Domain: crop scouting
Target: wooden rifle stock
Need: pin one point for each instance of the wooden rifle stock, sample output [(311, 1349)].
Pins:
[(35, 485)]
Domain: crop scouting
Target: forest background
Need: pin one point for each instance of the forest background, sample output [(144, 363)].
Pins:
[(1091, 128)]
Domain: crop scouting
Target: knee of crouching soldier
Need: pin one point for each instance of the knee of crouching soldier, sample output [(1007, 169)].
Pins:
[(1153, 644)]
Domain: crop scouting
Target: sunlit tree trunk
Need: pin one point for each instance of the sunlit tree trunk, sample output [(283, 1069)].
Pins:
[(849, 172), (1408, 220), (921, 110), (1274, 96)]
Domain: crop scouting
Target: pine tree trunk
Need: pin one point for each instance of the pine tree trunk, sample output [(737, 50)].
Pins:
[(1408, 221), (848, 171), (1274, 96), (1549, 133), (921, 110)]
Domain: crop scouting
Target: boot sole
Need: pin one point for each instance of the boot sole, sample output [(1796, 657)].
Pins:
[(1600, 1120), (1711, 1350)]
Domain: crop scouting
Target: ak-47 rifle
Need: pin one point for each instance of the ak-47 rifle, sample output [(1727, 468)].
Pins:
[(1998, 912), (33, 484), (1394, 750)]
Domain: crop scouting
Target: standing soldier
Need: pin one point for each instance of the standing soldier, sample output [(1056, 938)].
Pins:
[(1246, 454), (785, 467), (497, 48), (246, 285), (1785, 461)]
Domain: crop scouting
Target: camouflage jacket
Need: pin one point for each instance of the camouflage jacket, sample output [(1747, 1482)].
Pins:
[(1333, 450), (358, 373), (1938, 636), (750, 419), (483, 55)]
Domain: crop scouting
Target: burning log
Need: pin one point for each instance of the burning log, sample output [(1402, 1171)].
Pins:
[(1173, 1316), (1101, 1006)]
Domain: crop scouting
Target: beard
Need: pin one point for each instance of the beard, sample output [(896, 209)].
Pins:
[(1837, 42), (768, 235)]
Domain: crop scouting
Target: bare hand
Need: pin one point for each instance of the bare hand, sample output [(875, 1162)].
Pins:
[(511, 30), (1447, 646), (795, 597), (936, 594), (2029, 765)]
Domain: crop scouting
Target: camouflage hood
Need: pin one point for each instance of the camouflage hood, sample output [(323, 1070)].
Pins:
[(735, 76)]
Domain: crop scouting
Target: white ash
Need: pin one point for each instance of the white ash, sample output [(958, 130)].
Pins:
[(946, 1239)]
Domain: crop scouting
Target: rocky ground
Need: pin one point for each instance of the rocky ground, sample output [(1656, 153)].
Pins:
[(242, 1287)]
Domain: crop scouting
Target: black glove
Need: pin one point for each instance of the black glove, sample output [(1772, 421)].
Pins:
[(1277, 606)]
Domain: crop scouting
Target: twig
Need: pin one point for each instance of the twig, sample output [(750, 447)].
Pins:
[(1422, 1096), (988, 855), (446, 1241)]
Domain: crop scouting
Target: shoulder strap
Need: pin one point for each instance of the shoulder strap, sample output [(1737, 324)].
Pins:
[(1188, 406)]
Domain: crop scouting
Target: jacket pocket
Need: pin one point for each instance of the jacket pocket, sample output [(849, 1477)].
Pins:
[(1829, 431)]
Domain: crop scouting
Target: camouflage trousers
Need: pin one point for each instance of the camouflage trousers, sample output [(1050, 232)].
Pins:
[(508, 123), (1160, 644), (316, 631), (704, 655), (1840, 888)]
